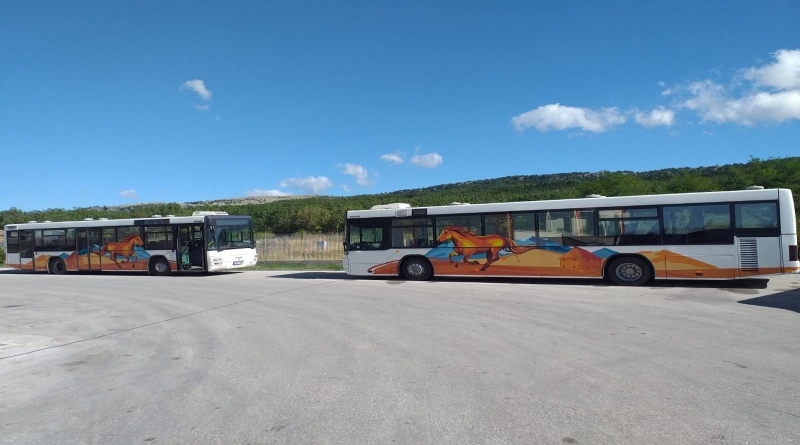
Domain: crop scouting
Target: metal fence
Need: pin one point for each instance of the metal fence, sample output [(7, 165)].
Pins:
[(300, 247)]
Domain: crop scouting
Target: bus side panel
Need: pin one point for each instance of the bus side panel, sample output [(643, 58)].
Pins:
[(789, 266), (12, 260), (760, 256), (375, 262)]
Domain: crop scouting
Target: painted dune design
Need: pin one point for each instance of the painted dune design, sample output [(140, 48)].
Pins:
[(462, 256)]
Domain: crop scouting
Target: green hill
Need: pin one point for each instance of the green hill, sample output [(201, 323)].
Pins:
[(326, 214)]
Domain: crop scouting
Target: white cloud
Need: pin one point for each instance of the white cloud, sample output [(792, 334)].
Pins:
[(314, 184), (198, 86), (748, 103), (394, 158), (361, 174), (427, 160), (203, 107), (260, 192), (346, 188), (784, 74), (559, 117), (715, 103), (129, 194), (655, 118)]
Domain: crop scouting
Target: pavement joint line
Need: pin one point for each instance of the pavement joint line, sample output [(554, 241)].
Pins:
[(163, 321)]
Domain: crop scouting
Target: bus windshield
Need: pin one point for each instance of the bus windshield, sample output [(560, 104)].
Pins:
[(231, 233)]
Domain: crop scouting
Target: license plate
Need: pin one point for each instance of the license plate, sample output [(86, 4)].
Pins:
[(236, 263)]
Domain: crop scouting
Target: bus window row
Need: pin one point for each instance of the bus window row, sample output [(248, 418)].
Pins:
[(697, 224), (66, 240)]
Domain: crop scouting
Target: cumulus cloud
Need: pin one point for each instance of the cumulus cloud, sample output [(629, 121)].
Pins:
[(203, 107), (767, 94), (427, 160), (716, 103), (560, 117), (346, 188), (314, 184), (261, 192), (129, 194), (394, 158), (360, 173), (658, 117), (784, 74), (198, 86)]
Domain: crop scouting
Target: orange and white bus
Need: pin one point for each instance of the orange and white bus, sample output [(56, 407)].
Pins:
[(628, 239), (203, 242)]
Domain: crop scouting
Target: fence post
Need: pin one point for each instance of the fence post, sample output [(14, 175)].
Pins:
[(303, 242)]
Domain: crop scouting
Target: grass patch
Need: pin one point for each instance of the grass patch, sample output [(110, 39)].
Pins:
[(295, 266)]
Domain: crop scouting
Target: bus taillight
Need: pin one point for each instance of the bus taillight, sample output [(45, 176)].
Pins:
[(792, 253)]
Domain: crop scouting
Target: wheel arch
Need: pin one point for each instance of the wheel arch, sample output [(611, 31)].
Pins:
[(414, 256), (617, 256), (52, 261), (153, 259)]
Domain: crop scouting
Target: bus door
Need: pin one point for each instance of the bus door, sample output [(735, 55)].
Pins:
[(191, 247), (93, 256), (26, 259), (83, 249)]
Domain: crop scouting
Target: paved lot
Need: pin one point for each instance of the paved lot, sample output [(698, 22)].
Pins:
[(315, 357)]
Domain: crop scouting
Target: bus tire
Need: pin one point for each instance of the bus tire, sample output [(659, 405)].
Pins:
[(629, 271), (159, 266), (416, 269), (56, 266)]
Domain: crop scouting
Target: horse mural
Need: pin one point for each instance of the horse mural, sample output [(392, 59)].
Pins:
[(124, 247), (467, 243)]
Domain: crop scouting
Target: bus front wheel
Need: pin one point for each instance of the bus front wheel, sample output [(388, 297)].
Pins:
[(629, 271), (57, 266), (416, 269), (160, 266)]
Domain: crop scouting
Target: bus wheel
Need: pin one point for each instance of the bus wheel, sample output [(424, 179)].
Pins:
[(57, 267), (160, 266), (629, 271), (417, 269)]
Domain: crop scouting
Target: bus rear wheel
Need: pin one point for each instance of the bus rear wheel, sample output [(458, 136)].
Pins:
[(57, 266), (160, 266), (629, 271), (416, 269)]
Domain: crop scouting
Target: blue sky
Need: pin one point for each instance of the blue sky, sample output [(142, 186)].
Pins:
[(106, 103)]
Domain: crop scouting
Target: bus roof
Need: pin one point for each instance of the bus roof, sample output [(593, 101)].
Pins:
[(155, 220), (598, 202)]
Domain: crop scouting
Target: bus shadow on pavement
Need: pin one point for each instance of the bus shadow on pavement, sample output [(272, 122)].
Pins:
[(789, 300), (314, 275)]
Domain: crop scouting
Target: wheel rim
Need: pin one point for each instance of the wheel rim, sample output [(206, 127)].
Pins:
[(628, 272), (161, 267), (415, 269)]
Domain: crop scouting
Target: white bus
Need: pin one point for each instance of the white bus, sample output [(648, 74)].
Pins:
[(628, 240), (203, 242)]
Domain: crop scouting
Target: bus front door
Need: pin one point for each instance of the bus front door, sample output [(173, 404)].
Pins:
[(190, 246)]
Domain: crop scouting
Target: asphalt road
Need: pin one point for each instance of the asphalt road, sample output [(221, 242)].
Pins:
[(315, 357)]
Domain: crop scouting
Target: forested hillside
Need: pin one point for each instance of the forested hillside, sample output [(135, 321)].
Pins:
[(326, 214)]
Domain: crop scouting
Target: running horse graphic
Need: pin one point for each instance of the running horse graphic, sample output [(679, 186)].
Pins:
[(468, 243), (122, 248)]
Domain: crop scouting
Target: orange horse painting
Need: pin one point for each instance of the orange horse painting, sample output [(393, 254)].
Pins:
[(122, 248), (467, 243)]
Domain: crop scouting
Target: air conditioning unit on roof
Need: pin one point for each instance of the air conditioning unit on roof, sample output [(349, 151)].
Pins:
[(394, 205)]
